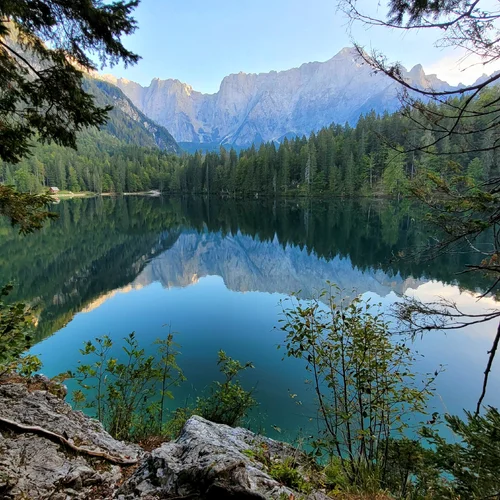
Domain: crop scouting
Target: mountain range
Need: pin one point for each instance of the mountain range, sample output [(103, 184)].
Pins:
[(255, 108)]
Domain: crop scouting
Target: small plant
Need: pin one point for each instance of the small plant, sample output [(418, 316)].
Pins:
[(27, 365), (260, 453), (124, 394), (177, 419), (228, 403), (16, 328), (286, 473), (335, 476)]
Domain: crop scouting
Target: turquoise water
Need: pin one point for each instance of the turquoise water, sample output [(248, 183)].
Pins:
[(216, 273)]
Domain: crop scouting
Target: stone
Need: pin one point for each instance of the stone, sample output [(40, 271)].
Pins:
[(210, 461), (40, 468), (207, 461)]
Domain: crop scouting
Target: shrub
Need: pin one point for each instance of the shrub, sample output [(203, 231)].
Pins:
[(473, 463), (362, 379), (287, 474), (124, 395), (16, 328), (228, 403)]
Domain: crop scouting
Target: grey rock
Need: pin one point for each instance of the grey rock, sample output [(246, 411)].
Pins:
[(210, 461), (269, 106), (39, 468), (207, 461)]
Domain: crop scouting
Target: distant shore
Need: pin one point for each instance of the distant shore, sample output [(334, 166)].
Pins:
[(90, 194)]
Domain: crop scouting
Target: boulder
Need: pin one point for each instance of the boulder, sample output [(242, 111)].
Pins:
[(35, 466), (207, 461), (211, 461)]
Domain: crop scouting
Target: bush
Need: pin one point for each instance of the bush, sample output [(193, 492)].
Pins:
[(362, 379), (228, 403), (286, 473), (16, 328), (128, 398), (473, 463)]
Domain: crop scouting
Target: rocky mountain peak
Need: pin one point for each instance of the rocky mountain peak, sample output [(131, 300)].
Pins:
[(250, 108)]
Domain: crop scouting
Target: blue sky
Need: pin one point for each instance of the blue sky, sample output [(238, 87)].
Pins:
[(200, 42)]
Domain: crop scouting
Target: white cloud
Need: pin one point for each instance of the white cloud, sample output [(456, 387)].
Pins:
[(455, 68)]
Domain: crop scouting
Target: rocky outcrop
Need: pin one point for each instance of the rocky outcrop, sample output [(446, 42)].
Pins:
[(212, 461), (207, 461), (268, 106), (35, 466)]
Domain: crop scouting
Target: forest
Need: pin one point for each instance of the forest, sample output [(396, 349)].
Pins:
[(379, 156)]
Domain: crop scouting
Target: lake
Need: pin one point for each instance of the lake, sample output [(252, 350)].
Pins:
[(217, 272)]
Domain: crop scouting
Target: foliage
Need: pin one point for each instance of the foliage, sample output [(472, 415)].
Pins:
[(15, 329), (465, 210), (286, 473), (130, 396), (44, 48), (228, 402), (335, 476), (27, 365), (472, 463), (453, 113), (335, 161), (461, 125), (362, 379), (411, 470), (26, 210), (177, 419), (124, 394)]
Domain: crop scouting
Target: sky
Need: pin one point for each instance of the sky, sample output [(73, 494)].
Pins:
[(200, 42)]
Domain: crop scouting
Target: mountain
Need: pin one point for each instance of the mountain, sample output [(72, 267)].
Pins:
[(251, 108), (126, 122)]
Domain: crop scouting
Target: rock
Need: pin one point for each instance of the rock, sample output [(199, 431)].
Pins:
[(211, 461), (208, 461), (254, 108), (33, 466)]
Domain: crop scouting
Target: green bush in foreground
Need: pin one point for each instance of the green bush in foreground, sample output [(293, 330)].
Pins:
[(129, 397), (228, 402), (473, 462), (364, 385), (16, 328)]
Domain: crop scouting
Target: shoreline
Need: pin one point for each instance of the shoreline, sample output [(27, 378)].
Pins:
[(89, 194)]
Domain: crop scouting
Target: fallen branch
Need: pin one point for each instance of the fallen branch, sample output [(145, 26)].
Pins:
[(57, 437)]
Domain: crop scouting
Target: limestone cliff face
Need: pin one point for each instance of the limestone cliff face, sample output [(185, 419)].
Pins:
[(263, 107)]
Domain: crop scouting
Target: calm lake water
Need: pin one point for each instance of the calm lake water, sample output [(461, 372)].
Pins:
[(216, 272)]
